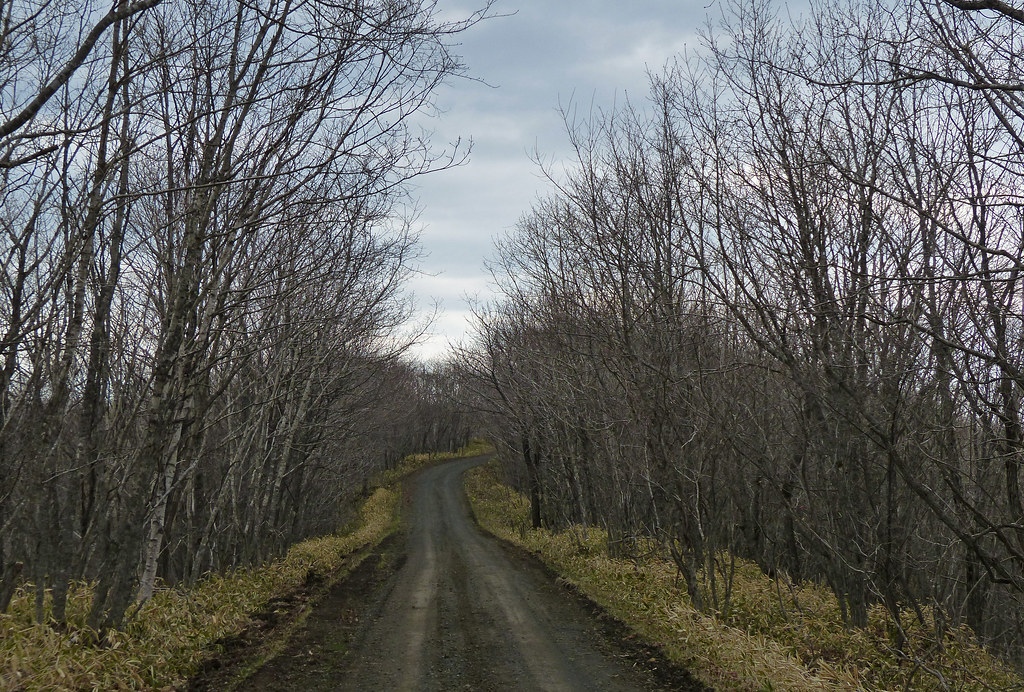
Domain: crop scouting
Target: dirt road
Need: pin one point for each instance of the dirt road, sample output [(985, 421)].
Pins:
[(444, 607)]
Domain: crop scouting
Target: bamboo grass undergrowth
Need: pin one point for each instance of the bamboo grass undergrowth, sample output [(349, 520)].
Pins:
[(167, 638), (758, 645), (170, 635)]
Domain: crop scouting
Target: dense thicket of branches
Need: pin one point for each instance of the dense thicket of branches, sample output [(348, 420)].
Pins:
[(204, 244), (778, 314)]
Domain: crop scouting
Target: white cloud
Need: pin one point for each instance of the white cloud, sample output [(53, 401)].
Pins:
[(547, 54), (449, 329)]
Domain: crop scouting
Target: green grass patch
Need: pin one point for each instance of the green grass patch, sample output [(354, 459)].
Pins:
[(776, 636)]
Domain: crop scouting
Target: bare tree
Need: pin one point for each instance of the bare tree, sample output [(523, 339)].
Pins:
[(776, 314), (205, 244)]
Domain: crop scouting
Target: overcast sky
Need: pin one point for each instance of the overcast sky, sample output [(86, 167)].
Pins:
[(549, 52)]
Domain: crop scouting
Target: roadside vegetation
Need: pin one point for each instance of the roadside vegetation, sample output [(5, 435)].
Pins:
[(773, 635), (474, 448), (165, 640), (207, 235), (776, 311)]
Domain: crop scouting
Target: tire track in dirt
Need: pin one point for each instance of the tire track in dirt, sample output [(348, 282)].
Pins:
[(445, 607)]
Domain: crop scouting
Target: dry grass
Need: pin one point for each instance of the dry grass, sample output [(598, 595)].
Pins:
[(777, 636), (165, 641), (473, 448)]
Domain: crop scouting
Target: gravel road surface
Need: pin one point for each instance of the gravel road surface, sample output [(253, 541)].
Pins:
[(442, 606)]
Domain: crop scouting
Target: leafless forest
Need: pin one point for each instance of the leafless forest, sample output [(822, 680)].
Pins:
[(205, 235), (775, 311)]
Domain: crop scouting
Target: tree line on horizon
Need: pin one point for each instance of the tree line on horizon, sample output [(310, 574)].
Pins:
[(775, 312)]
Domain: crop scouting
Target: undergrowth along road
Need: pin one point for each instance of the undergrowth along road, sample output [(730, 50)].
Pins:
[(222, 626), (757, 646), (443, 606), (179, 630)]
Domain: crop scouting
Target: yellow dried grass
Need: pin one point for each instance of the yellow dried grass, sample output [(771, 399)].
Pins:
[(776, 636), (166, 640), (473, 448)]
